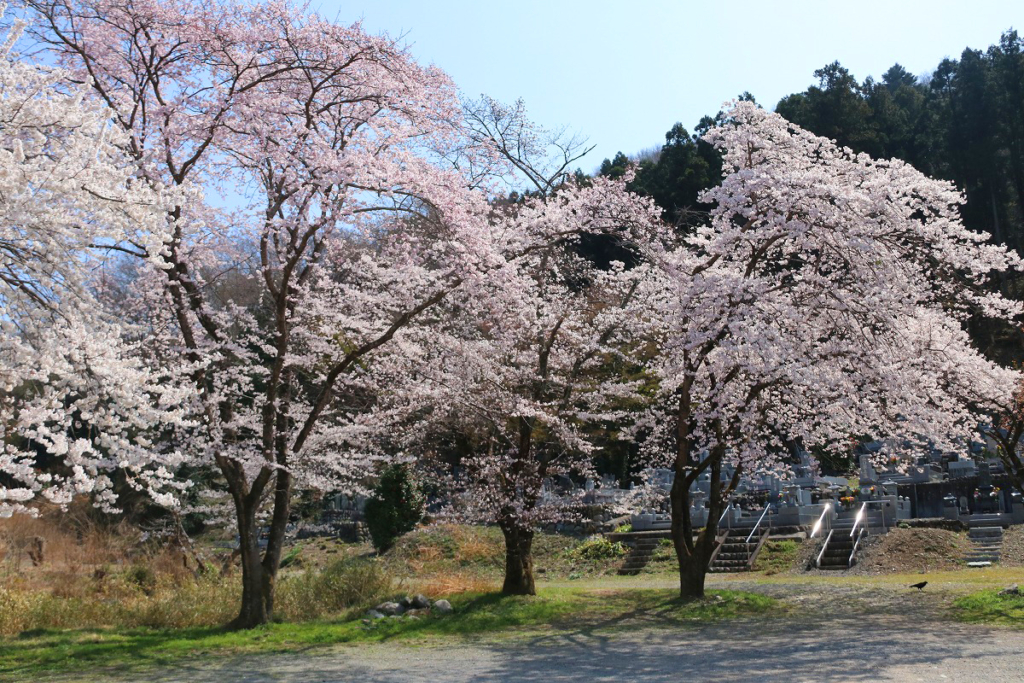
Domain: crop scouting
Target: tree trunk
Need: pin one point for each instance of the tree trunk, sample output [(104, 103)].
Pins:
[(692, 572), (691, 555), (518, 561), (257, 581)]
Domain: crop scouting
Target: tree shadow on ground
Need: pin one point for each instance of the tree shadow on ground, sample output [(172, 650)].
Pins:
[(749, 650), (653, 641)]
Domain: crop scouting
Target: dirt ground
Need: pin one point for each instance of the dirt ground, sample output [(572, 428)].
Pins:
[(836, 651), (835, 629), (912, 550), (1013, 547)]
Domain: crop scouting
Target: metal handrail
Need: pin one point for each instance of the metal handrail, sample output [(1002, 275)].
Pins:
[(821, 519), (719, 541), (849, 561), (754, 530), (725, 512), (817, 561), (857, 520)]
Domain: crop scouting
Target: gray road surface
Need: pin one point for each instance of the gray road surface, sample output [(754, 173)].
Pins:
[(845, 649)]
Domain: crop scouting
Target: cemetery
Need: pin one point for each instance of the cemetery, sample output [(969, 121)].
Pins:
[(936, 491)]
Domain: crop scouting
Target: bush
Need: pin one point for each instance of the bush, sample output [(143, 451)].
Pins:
[(394, 508), (596, 548), (141, 576), (341, 585), (292, 558)]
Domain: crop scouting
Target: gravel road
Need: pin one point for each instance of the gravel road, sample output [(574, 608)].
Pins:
[(876, 649), (851, 631)]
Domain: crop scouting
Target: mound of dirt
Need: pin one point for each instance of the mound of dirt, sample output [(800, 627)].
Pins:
[(1013, 547), (906, 551)]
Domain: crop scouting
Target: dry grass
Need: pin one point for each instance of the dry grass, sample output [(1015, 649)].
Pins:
[(472, 547), (454, 584), (117, 600), (438, 552), (97, 573), (97, 576), (138, 597), (74, 542)]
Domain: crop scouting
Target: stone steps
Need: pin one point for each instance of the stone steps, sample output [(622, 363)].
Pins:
[(639, 555), (735, 554), (836, 555), (984, 521), (986, 545)]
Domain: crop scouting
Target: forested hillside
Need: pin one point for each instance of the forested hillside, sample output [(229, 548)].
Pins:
[(964, 122)]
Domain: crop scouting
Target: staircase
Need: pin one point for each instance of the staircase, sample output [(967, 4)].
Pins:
[(639, 555), (734, 554), (986, 545), (839, 551)]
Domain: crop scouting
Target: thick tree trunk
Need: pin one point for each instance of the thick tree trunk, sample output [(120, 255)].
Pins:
[(692, 572), (518, 561), (691, 555), (257, 594), (259, 569)]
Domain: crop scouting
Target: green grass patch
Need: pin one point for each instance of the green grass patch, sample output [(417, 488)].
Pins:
[(989, 607), (777, 556), (596, 549), (476, 615)]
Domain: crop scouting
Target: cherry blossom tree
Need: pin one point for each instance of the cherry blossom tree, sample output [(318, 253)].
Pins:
[(77, 397), (541, 159), (345, 213), (825, 298), (1006, 429), (520, 368)]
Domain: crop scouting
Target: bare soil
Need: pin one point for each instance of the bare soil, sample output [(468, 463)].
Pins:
[(1013, 547), (903, 551)]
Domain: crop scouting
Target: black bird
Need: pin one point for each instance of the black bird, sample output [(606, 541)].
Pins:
[(919, 586)]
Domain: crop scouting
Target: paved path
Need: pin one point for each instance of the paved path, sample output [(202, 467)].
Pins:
[(861, 649)]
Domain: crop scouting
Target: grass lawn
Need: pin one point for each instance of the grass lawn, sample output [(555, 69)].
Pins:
[(476, 615), (989, 607), (777, 556)]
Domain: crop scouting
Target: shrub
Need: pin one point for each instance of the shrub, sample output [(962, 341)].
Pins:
[(141, 576), (596, 548), (624, 528), (292, 558), (394, 508), (341, 585)]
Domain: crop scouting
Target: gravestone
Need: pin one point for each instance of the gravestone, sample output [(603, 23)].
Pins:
[(984, 500)]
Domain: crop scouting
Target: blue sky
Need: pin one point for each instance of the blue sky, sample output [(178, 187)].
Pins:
[(623, 72)]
